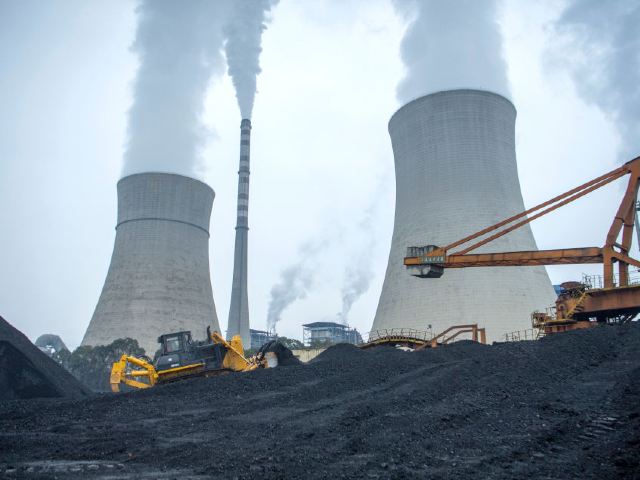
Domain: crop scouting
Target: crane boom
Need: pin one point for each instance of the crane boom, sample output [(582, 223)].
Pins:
[(612, 252), (537, 257)]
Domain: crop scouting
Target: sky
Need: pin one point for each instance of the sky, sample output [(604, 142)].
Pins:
[(331, 74)]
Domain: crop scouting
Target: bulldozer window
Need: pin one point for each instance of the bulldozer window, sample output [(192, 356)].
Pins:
[(188, 343), (173, 344)]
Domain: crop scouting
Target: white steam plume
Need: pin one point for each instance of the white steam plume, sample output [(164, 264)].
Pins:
[(449, 45), (244, 37), (359, 278), (179, 45), (295, 282), (359, 273), (602, 46)]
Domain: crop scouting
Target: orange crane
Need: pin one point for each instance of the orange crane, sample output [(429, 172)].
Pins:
[(620, 299)]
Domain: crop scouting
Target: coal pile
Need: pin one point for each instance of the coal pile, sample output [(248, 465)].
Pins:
[(286, 358), (567, 406), (340, 353), (26, 372)]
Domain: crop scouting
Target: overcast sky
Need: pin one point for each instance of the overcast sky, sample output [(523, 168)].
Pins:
[(322, 176)]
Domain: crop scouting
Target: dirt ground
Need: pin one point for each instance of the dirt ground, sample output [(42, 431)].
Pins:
[(567, 406)]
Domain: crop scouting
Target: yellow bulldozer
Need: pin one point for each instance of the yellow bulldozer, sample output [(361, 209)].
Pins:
[(181, 357)]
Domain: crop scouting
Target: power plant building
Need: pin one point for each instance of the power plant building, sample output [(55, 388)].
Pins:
[(329, 332), (456, 174), (260, 337), (158, 280), (239, 306)]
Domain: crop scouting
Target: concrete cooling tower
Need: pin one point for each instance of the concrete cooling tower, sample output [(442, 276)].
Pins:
[(158, 281), (456, 174)]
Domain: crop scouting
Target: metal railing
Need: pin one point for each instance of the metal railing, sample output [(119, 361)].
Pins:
[(413, 335), (597, 281), (538, 316), (530, 334), (397, 333)]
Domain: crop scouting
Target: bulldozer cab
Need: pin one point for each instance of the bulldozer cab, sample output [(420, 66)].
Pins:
[(175, 342), (176, 350)]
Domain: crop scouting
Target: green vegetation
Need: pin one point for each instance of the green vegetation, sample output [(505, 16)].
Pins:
[(92, 365), (250, 352), (315, 344)]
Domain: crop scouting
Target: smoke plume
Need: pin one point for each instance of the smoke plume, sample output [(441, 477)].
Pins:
[(359, 273), (602, 46), (244, 37), (179, 45), (449, 45), (359, 278), (295, 283)]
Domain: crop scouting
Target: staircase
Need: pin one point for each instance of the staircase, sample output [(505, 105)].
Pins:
[(578, 306)]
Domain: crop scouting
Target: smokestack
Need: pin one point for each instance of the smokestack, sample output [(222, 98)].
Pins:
[(239, 308), (158, 281), (456, 174)]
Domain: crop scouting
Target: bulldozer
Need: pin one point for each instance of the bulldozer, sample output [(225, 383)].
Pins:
[(181, 357)]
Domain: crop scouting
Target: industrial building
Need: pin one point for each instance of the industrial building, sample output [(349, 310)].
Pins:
[(239, 306), (456, 174), (158, 280), (260, 337), (330, 332)]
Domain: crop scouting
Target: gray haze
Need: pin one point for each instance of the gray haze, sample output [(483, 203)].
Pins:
[(295, 282), (179, 45), (243, 47), (448, 45), (605, 62)]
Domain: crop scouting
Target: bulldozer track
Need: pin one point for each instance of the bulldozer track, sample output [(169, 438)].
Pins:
[(601, 425)]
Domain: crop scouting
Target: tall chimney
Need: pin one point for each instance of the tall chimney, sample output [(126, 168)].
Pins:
[(239, 308), (158, 281), (456, 174)]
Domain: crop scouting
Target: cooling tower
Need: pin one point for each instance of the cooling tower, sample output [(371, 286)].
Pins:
[(158, 281), (456, 174), (239, 307)]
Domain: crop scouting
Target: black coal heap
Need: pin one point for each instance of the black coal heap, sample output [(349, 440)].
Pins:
[(566, 406), (26, 372)]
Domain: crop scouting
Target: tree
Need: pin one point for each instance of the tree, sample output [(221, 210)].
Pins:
[(250, 352), (320, 344), (92, 365), (126, 346)]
